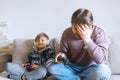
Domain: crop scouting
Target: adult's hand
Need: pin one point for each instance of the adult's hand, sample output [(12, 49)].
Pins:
[(60, 54), (83, 32)]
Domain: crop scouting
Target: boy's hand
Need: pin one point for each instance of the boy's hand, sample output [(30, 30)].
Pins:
[(34, 66), (26, 64)]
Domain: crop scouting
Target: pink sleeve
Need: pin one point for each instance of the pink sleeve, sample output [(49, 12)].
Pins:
[(98, 48)]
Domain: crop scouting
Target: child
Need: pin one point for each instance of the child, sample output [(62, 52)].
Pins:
[(38, 59)]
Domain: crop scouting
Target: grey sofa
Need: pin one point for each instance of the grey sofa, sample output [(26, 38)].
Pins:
[(23, 46)]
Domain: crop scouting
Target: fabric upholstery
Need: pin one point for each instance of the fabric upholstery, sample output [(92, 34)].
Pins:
[(55, 44), (114, 54), (115, 77), (3, 60), (21, 48)]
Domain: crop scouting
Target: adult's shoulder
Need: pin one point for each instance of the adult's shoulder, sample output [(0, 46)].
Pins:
[(96, 29), (98, 32), (67, 31)]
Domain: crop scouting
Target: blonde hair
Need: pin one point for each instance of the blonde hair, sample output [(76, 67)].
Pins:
[(41, 34)]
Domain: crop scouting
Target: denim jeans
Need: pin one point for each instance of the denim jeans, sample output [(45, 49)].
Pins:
[(77, 72), (17, 71)]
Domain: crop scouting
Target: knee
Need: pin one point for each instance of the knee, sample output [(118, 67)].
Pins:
[(8, 66), (41, 69), (54, 67), (12, 66), (103, 69), (103, 72)]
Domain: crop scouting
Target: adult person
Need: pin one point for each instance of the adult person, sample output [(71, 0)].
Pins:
[(86, 47)]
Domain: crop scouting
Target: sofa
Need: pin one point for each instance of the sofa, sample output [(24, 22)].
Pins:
[(23, 46)]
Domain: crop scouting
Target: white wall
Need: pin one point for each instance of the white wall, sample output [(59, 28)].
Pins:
[(26, 18)]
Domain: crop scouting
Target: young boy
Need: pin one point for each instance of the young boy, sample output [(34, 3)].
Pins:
[(38, 59)]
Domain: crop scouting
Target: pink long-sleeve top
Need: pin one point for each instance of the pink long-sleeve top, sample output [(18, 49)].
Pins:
[(95, 52)]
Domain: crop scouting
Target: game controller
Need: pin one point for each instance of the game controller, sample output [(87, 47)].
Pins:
[(63, 59), (28, 67)]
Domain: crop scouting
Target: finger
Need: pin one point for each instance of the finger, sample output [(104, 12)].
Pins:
[(63, 55), (86, 26), (83, 27), (56, 58), (80, 26), (90, 27), (80, 30), (75, 28)]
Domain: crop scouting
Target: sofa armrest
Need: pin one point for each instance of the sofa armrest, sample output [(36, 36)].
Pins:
[(3, 60)]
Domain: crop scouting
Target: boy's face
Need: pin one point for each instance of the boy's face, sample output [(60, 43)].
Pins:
[(42, 42)]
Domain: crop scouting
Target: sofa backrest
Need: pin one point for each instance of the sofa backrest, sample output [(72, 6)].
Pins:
[(23, 46), (114, 54)]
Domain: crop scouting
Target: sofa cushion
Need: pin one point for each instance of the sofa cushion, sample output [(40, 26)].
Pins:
[(21, 48), (55, 44), (3, 60), (115, 77), (114, 54)]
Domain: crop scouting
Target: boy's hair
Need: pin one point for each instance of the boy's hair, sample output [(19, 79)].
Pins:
[(82, 16), (41, 34)]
